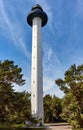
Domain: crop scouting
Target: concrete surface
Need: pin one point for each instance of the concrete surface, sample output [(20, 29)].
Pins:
[(56, 126)]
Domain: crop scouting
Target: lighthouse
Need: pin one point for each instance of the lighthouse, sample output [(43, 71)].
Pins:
[(37, 18)]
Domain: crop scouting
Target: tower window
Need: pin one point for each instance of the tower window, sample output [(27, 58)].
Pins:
[(33, 111), (33, 95), (33, 81), (34, 57)]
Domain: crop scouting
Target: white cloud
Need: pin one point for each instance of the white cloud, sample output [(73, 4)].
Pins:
[(52, 70), (14, 29), (48, 83), (49, 87), (51, 62), (49, 53)]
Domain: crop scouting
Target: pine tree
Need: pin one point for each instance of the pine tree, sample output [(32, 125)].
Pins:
[(10, 75), (72, 86)]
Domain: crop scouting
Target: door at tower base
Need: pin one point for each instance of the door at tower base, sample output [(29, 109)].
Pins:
[(36, 75)]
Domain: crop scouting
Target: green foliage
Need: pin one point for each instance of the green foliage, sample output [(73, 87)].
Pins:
[(14, 106), (72, 104), (10, 73), (21, 108), (52, 109)]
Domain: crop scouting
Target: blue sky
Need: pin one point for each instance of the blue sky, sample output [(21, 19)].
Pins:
[(62, 38)]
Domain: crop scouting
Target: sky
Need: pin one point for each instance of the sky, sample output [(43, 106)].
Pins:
[(62, 39)]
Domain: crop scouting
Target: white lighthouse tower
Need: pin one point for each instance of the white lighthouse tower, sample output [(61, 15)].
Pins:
[(37, 18)]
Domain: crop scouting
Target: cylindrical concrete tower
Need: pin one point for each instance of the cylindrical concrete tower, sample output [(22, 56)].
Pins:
[(37, 18)]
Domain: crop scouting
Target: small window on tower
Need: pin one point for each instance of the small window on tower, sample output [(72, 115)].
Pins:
[(33, 111), (33, 68), (33, 81), (33, 95), (34, 57)]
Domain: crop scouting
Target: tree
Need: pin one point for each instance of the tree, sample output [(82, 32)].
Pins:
[(72, 86), (15, 107), (47, 108), (56, 109), (10, 75), (52, 108), (21, 107)]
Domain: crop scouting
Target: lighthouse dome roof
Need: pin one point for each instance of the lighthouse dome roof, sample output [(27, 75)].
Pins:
[(37, 11), (37, 6)]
